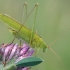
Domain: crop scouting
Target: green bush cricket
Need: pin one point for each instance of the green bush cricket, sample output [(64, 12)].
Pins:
[(23, 32)]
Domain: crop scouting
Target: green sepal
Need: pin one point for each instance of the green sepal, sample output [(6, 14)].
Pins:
[(10, 67)]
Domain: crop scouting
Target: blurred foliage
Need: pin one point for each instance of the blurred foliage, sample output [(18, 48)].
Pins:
[(52, 20)]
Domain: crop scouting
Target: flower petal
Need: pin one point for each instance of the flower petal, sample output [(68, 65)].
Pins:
[(12, 52), (7, 50), (30, 52), (26, 68), (20, 58), (24, 50)]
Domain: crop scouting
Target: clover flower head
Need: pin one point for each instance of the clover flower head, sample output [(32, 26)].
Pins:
[(10, 51)]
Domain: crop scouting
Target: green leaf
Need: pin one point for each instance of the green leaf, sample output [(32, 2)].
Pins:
[(30, 61)]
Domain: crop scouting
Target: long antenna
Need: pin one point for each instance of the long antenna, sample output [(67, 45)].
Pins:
[(55, 41), (24, 22), (55, 54), (59, 37)]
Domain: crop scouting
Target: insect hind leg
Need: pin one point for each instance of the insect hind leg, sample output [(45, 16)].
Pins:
[(33, 28)]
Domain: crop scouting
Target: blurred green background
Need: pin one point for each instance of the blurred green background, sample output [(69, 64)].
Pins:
[(53, 19)]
